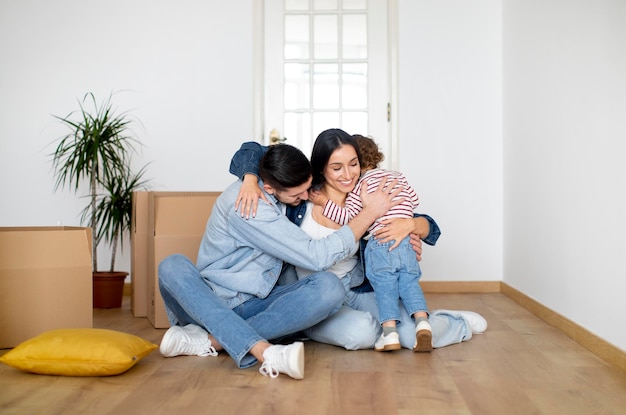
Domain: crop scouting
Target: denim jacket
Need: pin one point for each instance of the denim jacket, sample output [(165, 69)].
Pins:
[(240, 258), (246, 161)]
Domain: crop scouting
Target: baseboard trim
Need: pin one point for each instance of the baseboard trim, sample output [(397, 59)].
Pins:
[(127, 288), (450, 287), (600, 347)]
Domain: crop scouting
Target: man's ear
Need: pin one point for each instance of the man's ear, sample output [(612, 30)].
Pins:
[(268, 189)]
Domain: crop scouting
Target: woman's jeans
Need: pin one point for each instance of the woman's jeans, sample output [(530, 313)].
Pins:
[(355, 326), (286, 310), (394, 275)]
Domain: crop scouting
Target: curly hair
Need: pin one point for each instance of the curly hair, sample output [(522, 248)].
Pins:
[(371, 156)]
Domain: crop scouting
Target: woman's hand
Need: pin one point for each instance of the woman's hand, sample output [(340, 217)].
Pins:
[(416, 243), (395, 230), (398, 229), (249, 195)]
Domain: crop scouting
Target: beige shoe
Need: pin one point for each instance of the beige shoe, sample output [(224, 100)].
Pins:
[(388, 342), (423, 337)]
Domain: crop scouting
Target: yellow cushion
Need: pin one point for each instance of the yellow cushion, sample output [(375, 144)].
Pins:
[(79, 352)]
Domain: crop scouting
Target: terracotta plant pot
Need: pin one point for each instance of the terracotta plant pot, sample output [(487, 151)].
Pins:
[(108, 289)]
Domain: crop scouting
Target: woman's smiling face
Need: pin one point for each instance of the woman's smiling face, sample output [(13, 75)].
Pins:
[(343, 169)]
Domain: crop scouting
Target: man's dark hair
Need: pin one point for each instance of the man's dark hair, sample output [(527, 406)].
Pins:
[(284, 166)]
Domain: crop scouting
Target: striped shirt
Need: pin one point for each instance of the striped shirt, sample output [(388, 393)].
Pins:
[(354, 204)]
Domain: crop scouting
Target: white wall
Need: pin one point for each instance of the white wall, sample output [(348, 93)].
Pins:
[(189, 87), (565, 146), (550, 92), (450, 130)]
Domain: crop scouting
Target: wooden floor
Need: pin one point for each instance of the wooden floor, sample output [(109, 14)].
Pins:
[(520, 366)]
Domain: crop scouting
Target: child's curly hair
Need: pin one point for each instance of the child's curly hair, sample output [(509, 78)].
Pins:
[(371, 155)]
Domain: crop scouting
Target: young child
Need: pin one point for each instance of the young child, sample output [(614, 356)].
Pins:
[(393, 274)]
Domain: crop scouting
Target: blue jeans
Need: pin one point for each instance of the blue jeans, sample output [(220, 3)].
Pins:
[(286, 310), (394, 275), (355, 326)]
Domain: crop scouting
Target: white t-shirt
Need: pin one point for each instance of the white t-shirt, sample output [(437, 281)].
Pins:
[(317, 231)]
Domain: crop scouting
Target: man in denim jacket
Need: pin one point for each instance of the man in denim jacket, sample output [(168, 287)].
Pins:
[(239, 263)]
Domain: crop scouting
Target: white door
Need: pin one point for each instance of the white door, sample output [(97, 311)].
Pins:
[(325, 65)]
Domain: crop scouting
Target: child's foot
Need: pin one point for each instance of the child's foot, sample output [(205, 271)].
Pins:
[(386, 343), (423, 337)]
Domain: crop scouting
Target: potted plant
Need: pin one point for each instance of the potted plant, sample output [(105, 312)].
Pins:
[(113, 221), (98, 150)]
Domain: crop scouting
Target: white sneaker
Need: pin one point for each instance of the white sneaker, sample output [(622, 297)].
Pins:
[(423, 337), (387, 343), (190, 340), (284, 359), (475, 320)]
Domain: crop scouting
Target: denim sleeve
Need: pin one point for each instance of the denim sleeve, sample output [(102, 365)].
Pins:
[(247, 158), (435, 232), (272, 233)]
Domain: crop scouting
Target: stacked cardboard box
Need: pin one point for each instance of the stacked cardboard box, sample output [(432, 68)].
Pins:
[(164, 223), (45, 281)]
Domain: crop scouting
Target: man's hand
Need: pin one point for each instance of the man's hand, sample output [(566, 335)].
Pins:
[(379, 201), (375, 205), (249, 195)]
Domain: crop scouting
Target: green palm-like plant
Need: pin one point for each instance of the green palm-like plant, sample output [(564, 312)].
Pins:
[(97, 150), (114, 210)]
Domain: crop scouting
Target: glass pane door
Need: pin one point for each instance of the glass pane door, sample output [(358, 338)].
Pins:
[(326, 66)]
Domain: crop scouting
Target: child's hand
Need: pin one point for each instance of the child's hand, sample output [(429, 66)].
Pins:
[(249, 195), (318, 198)]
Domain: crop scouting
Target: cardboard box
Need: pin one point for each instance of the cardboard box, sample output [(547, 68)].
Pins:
[(45, 281), (175, 224), (139, 255)]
